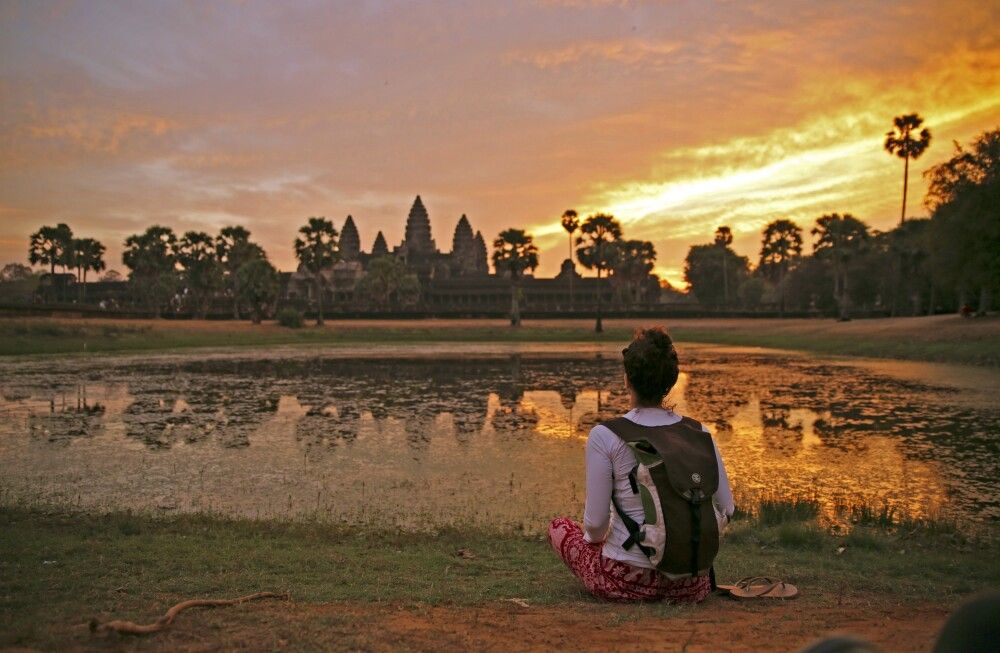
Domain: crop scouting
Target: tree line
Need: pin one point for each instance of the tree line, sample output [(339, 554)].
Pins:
[(945, 262), (917, 267)]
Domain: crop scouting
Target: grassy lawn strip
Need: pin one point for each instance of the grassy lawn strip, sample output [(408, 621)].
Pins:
[(59, 570), (940, 340)]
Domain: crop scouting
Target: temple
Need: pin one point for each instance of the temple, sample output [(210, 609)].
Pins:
[(457, 282)]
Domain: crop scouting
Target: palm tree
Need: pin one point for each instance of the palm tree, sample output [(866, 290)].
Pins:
[(233, 248), (900, 141), (595, 250), (87, 255), (570, 222), (841, 239), (723, 239), (51, 246), (514, 252), (780, 247), (317, 251)]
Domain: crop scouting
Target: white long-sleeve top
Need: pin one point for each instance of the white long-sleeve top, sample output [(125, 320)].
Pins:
[(609, 461)]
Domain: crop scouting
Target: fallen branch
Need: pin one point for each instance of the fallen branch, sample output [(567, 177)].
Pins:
[(132, 628)]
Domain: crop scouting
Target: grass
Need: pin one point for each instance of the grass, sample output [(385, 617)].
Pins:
[(940, 338), (59, 569)]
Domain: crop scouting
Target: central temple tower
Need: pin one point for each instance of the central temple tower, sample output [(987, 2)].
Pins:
[(418, 230)]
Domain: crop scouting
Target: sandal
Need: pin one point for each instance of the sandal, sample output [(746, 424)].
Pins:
[(760, 587)]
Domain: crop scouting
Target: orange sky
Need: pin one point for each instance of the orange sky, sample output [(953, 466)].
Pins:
[(674, 116)]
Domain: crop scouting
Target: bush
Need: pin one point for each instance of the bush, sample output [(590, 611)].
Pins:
[(290, 317)]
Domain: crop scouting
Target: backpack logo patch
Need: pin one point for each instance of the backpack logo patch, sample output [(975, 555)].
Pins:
[(696, 478)]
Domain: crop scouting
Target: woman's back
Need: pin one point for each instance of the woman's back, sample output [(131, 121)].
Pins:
[(604, 553), (609, 457)]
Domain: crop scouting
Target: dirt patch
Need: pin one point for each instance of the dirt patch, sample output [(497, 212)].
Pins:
[(717, 625)]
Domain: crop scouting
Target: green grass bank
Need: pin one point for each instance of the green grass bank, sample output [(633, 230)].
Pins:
[(947, 338), (59, 569)]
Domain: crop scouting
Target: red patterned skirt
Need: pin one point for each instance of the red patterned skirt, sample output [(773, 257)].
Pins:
[(615, 580)]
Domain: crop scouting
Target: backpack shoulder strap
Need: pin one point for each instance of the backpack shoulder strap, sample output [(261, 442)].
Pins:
[(626, 429), (693, 423)]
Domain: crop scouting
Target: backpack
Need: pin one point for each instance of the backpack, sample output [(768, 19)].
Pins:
[(676, 475)]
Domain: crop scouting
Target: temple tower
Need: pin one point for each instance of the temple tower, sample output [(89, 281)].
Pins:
[(463, 239), (463, 244), (380, 248), (350, 242), (418, 230), (481, 262)]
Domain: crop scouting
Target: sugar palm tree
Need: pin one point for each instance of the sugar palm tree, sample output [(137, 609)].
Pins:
[(595, 250), (723, 239), (317, 251), (841, 240), (900, 141), (51, 246), (514, 252), (780, 247), (570, 222), (87, 255)]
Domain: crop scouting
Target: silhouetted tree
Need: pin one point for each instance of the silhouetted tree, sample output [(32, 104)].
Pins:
[(964, 197), (632, 263), (15, 272), (151, 258), (51, 246), (112, 276), (316, 250), (202, 272), (780, 249), (257, 281), (86, 254), (233, 249), (841, 239), (595, 251), (707, 265), (723, 239), (900, 141), (514, 252), (387, 280), (905, 251), (570, 222)]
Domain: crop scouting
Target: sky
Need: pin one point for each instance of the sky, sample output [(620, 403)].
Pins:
[(676, 117)]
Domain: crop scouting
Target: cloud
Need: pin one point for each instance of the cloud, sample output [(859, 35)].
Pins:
[(627, 52), (676, 116)]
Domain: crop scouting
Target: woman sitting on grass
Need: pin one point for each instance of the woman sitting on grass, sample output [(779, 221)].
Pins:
[(607, 553)]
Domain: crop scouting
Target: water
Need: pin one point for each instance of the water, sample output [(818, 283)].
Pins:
[(478, 434)]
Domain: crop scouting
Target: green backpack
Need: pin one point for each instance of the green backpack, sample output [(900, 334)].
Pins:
[(676, 475)]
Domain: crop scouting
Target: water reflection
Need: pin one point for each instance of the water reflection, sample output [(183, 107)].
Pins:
[(414, 439)]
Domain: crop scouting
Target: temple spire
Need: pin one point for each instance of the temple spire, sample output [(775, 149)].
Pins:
[(480, 258), (380, 248), (418, 229), (350, 241), (463, 239)]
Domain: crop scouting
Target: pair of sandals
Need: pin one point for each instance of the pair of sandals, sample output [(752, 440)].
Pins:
[(759, 587)]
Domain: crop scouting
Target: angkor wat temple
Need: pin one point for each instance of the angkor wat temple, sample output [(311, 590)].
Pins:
[(456, 282)]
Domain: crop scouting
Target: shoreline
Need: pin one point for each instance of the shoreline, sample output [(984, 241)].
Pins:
[(943, 338)]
